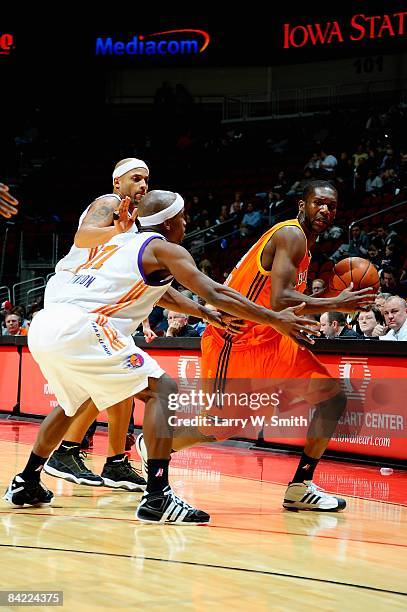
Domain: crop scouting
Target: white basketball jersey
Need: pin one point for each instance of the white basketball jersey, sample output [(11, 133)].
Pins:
[(112, 283), (78, 256)]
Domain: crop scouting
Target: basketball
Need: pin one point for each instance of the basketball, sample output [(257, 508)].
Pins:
[(361, 272)]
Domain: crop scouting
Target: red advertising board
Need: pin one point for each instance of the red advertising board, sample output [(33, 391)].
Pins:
[(366, 375), (9, 364)]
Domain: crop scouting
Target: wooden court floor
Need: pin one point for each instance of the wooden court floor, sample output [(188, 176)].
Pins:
[(254, 555)]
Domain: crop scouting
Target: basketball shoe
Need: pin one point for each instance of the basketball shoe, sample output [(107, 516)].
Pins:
[(69, 465), (120, 474), (308, 496), (25, 493), (165, 507), (142, 453)]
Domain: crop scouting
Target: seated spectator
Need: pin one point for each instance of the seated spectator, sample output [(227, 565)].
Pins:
[(205, 267), (395, 315), (313, 163), (359, 242), (318, 286), (359, 156), (389, 282), (178, 326), (390, 182), (385, 236), (237, 204), (380, 300), (391, 257), (251, 221), (14, 325), (373, 254), (328, 164), (223, 214), (373, 183), (371, 323), (333, 325), (281, 184)]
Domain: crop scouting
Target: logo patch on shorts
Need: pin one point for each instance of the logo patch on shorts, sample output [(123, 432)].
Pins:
[(135, 361)]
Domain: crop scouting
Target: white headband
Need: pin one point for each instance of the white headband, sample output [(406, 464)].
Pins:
[(163, 215), (130, 165)]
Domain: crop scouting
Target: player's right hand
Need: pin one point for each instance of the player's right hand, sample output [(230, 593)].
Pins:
[(8, 204), (349, 300), (296, 327), (124, 222)]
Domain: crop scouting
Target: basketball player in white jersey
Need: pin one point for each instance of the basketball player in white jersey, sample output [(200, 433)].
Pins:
[(97, 224), (82, 344)]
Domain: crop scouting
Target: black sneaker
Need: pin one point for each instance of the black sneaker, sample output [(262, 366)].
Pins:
[(120, 474), (25, 493), (165, 507), (69, 465)]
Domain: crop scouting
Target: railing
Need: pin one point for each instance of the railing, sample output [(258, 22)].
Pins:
[(308, 100), (5, 294), (33, 295), (375, 214), (20, 290)]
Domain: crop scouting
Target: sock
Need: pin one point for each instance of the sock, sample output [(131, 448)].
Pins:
[(305, 469), (66, 446), (157, 474), (115, 458), (32, 470)]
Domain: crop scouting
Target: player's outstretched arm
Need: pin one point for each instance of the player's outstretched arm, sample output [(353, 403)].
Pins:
[(179, 262), (287, 247), (99, 226)]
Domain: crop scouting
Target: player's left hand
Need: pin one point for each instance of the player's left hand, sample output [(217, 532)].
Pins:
[(8, 204), (149, 335)]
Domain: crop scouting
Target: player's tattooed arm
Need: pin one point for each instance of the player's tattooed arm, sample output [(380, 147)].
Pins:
[(97, 227)]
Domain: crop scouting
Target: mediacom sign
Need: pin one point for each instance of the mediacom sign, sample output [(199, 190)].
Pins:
[(170, 42)]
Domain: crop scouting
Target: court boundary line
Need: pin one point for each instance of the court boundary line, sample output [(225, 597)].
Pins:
[(209, 566)]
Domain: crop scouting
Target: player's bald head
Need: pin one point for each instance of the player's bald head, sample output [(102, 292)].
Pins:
[(155, 201)]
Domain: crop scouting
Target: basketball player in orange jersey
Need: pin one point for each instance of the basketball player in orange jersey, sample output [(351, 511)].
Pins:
[(82, 342), (97, 225), (273, 274)]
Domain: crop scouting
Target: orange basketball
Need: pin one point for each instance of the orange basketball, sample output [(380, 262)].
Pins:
[(361, 272)]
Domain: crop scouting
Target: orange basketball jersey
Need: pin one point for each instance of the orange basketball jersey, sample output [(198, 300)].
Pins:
[(254, 282)]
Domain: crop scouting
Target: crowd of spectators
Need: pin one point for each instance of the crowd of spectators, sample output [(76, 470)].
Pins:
[(229, 203)]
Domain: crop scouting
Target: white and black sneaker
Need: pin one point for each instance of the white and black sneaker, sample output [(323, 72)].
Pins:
[(22, 493), (142, 453), (308, 496), (120, 474), (165, 507), (69, 465)]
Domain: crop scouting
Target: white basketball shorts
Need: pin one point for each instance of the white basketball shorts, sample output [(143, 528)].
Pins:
[(83, 357)]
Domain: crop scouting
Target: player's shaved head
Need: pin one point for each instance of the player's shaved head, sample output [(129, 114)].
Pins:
[(155, 201)]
